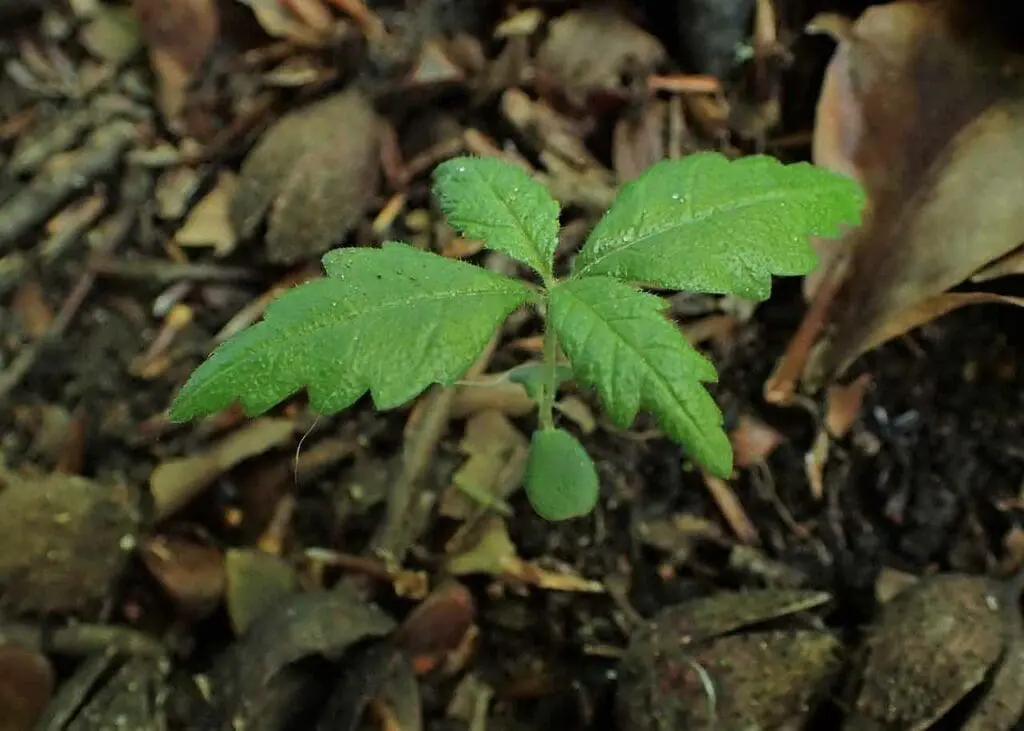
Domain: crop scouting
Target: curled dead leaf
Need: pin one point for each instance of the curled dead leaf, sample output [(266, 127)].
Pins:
[(312, 176), (932, 123), (933, 643)]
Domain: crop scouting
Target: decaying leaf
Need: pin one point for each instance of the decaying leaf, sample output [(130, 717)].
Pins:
[(278, 21), (931, 121), (64, 541), (209, 223), (933, 643), (588, 52), (691, 666), (438, 628), (259, 682), (378, 686), (27, 681), (753, 440), (112, 34), (191, 573), (111, 690), (496, 455), (489, 550), (255, 581), (312, 175), (1003, 704), (178, 36)]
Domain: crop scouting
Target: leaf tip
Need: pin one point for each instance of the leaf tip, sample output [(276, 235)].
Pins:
[(716, 457)]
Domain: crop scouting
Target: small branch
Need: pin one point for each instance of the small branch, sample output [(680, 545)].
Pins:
[(166, 272), (398, 533), (48, 191), (120, 226)]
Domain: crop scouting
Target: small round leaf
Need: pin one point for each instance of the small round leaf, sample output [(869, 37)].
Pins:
[(561, 481)]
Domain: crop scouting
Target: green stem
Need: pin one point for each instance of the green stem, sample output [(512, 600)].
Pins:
[(545, 404)]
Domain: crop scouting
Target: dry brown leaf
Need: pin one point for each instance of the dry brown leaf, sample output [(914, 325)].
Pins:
[(191, 573), (843, 405), (523, 23), (176, 481), (588, 53), (578, 412), (1010, 265), (437, 628), (930, 309), (638, 140), (278, 22), (209, 223), (490, 551), (178, 36), (27, 682), (753, 441), (497, 453), (933, 125), (29, 304), (315, 172), (507, 397)]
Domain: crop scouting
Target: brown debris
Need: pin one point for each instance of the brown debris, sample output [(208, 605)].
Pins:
[(64, 541), (314, 172), (943, 204)]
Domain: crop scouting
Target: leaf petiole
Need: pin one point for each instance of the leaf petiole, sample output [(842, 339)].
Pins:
[(546, 397)]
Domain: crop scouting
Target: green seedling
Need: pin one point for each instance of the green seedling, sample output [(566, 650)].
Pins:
[(394, 320)]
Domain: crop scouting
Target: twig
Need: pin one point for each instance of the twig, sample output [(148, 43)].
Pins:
[(731, 509), (165, 272), (78, 640), (397, 535), (120, 226), (37, 201)]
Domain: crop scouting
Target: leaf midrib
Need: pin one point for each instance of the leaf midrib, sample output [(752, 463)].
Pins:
[(520, 222), (767, 197), (662, 378), (293, 333)]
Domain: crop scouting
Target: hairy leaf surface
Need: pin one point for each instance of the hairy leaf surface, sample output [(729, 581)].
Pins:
[(486, 198), (392, 321), (708, 224), (620, 342)]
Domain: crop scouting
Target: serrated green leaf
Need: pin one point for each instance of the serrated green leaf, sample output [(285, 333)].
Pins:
[(486, 198), (707, 224), (560, 478), (391, 320), (620, 342)]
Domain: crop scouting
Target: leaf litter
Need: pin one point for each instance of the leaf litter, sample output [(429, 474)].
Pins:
[(363, 635)]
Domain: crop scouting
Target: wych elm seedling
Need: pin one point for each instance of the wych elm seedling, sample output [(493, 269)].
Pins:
[(394, 320)]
